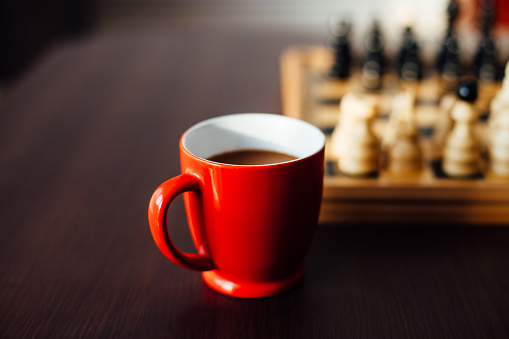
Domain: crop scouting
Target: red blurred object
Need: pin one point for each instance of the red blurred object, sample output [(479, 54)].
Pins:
[(502, 10)]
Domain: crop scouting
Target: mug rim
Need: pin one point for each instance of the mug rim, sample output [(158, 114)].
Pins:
[(213, 120)]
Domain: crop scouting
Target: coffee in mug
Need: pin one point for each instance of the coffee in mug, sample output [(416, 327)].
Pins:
[(251, 157), (252, 186)]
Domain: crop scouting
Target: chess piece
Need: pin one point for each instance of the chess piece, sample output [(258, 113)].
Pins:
[(443, 124), (353, 141), (485, 59), (498, 143), (404, 154), (373, 67), (409, 60), (461, 152), (501, 100), (448, 60), (341, 133), (342, 52), (498, 146)]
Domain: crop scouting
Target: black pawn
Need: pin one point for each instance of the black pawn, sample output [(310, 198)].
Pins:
[(373, 67), (485, 60), (448, 61), (409, 60), (342, 53), (467, 90)]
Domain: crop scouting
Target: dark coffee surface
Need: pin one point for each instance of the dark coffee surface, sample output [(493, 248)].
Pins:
[(251, 157)]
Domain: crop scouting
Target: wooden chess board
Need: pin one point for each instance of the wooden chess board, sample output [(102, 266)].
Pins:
[(425, 197)]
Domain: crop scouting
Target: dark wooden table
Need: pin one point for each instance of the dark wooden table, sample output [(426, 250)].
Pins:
[(91, 131)]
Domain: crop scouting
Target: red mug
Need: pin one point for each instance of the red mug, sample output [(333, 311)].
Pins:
[(251, 224)]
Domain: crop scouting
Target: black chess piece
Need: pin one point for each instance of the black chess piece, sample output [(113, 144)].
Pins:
[(485, 60), (341, 68), (467, 90), (448, 61), (449, 40), (410, 66), (373, 67)]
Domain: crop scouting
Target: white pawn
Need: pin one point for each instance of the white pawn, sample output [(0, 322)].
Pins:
[(402, 138), (461, 152), (499, 145), (355, 144)]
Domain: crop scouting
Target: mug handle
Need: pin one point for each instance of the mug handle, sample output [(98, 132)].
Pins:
[(158, 209)]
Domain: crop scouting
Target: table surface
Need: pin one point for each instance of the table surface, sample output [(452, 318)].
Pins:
[(92, 129)]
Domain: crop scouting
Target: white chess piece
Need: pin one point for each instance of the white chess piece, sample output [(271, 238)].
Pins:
[(341, 134), (499, 145), (461, 152), (498, 140), (353, 141), (402, 137), (501, 100), (444, 123)]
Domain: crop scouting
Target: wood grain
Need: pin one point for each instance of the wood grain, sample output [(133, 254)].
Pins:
[(93, 129)]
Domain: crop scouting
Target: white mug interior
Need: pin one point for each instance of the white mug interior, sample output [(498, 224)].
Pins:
[(253, 131)]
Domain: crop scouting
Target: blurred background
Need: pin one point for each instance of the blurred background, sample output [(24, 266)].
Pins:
[(28, 28)]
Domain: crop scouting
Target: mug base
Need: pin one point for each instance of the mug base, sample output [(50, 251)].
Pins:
[(243, 289)]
